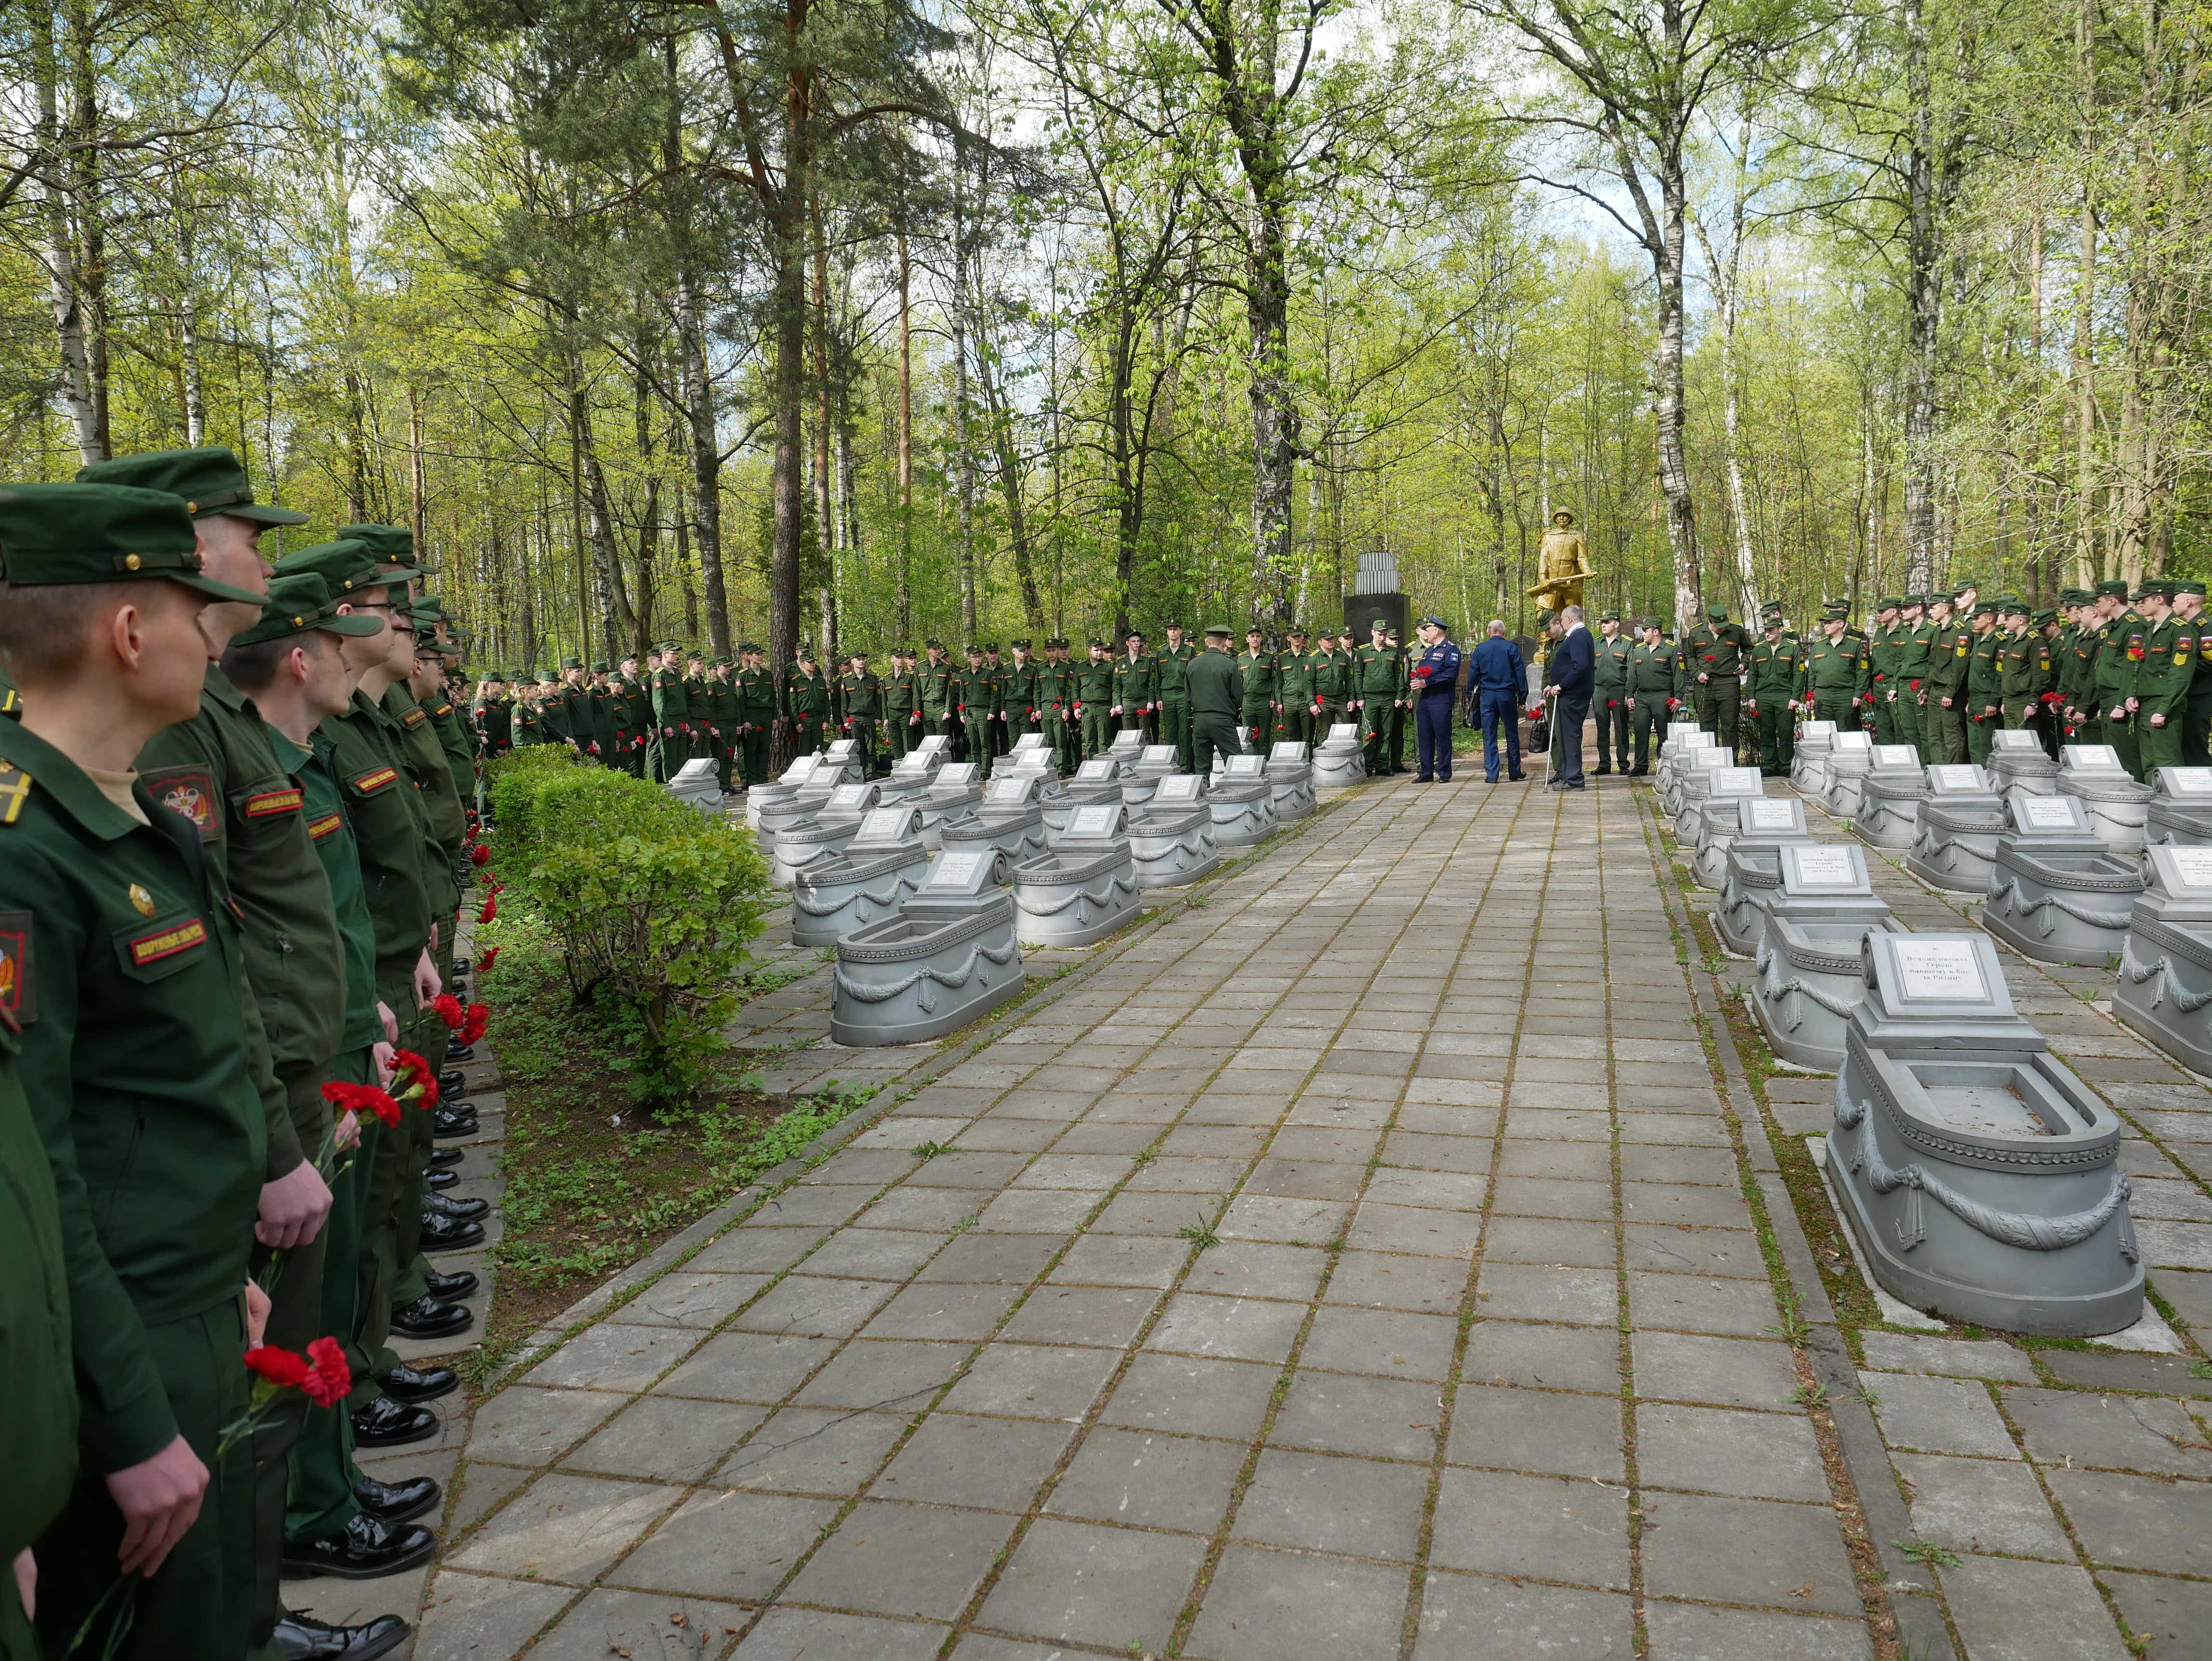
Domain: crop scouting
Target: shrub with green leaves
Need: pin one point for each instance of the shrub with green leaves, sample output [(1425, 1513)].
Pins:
[(652, 904)]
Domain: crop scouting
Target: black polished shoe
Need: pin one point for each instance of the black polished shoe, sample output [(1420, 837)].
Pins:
[(426, 1317), (460, 1211), (461, 968), (437, 1179), (303, 1638), (459, 1120), (385, 1423), (397, 1502), (1518, 778), (451, 1288), (445, 1159), (407, 1383), (364, 1549), (457, 1053), (450, 1084), (444, 1234)]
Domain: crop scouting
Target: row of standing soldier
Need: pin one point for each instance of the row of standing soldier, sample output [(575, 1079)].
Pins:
[(1942, 673), (651, 713), (233, 843)]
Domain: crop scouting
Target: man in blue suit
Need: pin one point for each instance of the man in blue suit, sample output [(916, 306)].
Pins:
[(1498, 682), (1571, 674)]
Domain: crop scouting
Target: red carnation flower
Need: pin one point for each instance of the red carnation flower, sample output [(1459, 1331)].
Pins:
[(473, 1024), (485, 958), (279, 1366), (479, 855), (330, 1378), (489, 911), (448, 1009), (415, 1080)]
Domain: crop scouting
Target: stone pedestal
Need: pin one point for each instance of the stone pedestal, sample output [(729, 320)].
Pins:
[(2118, 807), (1955, 846), (2164, 990), (827, 834), (782, 794), (1890, 797), (1675, 756), (884, 863), (2180, 814), (843, 763), (1701, 759), (1009, 820), (1704, 787), (1810, 976), (958, 789), (1678, 734), (1980, 1177), (1848, 762), (950, 955), (2017, 762), (1158, 761), (1338, 761), (699, 783), (1128, 747), (1172, 841), (1084, 889), (1774, 817), (2057, 894), (1809, 763), (1289, 773), (1243, 803)]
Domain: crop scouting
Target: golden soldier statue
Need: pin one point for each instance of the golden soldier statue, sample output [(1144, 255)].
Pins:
[(1562, 564)]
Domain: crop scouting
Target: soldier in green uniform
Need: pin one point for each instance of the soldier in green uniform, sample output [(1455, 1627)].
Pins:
[(1984, 695), (669, 745), (1648, 688), (128, 984), (1610, 692), (994, 689), (939, 706), (902, 690), (1770, 685), (1018, 694), (1294, 690), (973, 693), (1715, 652), (1833, 671), (1401, 707), (493, 714), (1332, 681), (2020, 657), (700, 703), (622, 727), (2163, 678), (1135, 687), (1094, 694), (1943, 704), (1375, 686), (755, 689), (1885, 678), (2197, 707), (1914, 643), (722, 717), (1172, 664), (863, 697), (806, 703), (1217, 700), (1055, 682), (1255, 667)]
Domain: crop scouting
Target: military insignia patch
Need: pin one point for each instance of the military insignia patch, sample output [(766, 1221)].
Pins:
[(167, 942), (416, 716), (140, 901), (15, 786), (18, 995), (189, 793), (324, 826), (376, 779), (269, 803)]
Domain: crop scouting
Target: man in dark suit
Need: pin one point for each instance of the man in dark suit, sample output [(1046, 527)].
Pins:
[(1570, 677)]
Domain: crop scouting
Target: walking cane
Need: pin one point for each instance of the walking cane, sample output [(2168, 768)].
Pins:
[(1551, 736)]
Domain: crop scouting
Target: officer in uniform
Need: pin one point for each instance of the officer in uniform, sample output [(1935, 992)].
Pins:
[(939, 706), (2163, 679), (1255, 666), (2020, 659), (1134, 687), (669, 745), (863, 696), (2196, 708), (1055, 693), (901, 693), (1833, 671), (493, 714), (1943, 704), (1772, 683), (1648, 689), (1610, 692), (1294, 690), (1172, 663), (1217, 700), (1715, 652), (1884, 666), (1332, 681), (1984, 695), (971, 692), (1375, 675), (1018, 694), (128, 984), (806, 703), (1095, 701), (1914, 643), (755, 689)]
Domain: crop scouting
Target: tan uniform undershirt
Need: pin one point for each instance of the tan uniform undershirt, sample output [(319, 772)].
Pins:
[(116, 787)]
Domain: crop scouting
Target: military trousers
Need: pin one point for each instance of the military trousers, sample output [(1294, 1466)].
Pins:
[(1775, 728), (1720, 703), (321, 1499), (1401, 718), (752, 751), (1331, 714), (1943, 731), (1904, 719), (1837, 708), (199, 1607), (2122, 736), (1257, 725), (1375, 732), (1610, 711), (2158, 747), (1174, 728), (1211, 735), (1982, 730), (1649, 713), (2020, 714), (861, 729), (1885, 713), (1296, 724), (1098, 729)]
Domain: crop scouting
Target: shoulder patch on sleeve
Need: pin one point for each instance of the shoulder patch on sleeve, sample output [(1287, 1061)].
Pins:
[(19, 999), (368, 783), (268, 804), (416, 716), (189, 793)]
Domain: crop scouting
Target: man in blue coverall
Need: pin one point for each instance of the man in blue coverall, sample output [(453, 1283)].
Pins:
[(1436, 688), (1499, 682)]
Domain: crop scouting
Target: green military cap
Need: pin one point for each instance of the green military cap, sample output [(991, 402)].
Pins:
[(2074, 597), (1986, 608), (1716, 610), (2043, 616), (426, 642), (1889, 603), (572, 663), (1650, 622), (1542, 618), (599, 669), (210, 479), (1835, 611), (394, 549), (51, 535), (1608, 617), (1220, 629), (805, 650), (2187, 585), (2115, 587), (1022, 644), (1966, 585), (934, 645), (298, 602), (430, 608), (547, 677)]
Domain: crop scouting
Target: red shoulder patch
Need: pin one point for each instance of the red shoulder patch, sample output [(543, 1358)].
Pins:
[(324, 826), (19, 1000), (269, 803), (189, 793)]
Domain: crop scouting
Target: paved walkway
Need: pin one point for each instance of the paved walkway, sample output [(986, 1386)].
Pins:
[(1355, 1266)]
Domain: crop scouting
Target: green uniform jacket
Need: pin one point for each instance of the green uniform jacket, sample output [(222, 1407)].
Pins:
[(2120, 649), (1773, 670), (1332, 675), (439, 802), (37, 1433), (1376, 673), (1948, 650), (1171, 667), (902, 691), (453, 739), (804, 695), (1055, 689), (1610, 669), (388, 824), (1094, 682), (1017, 691), (1213, 685), (128, 989), (2168, 668), (1258, 671), (219, 771), (1135, 685), (494, 718), (1832, 666), (863, 696), (671, 710), (2019, 666), (331, 827), (1914, 646), (1649, 672), (1716, 652), (1983, 679), (934, 682), (1294, 679), (756, 697)]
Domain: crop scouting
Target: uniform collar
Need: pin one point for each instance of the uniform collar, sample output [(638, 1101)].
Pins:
[(65, 781), (290, 756), (216, 685)]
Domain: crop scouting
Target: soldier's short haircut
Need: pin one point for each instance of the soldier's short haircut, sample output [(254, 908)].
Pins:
[(45, 629), (251, 668)]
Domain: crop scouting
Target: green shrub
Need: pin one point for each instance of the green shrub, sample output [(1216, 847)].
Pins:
[(654, 905), (516, 781)]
